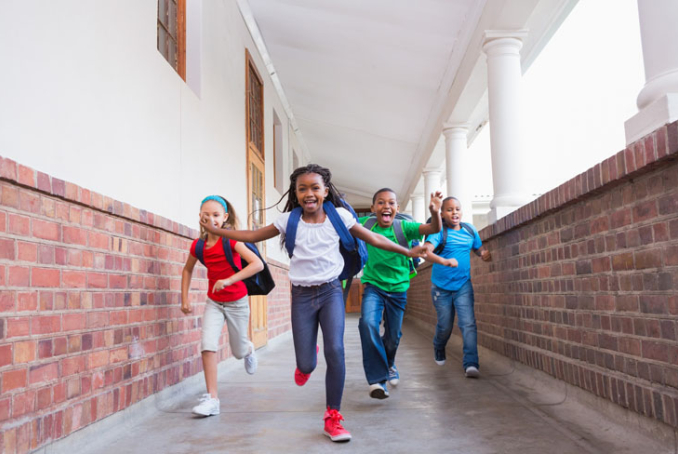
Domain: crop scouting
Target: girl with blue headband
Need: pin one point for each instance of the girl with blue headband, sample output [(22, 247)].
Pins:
[(226, 296)]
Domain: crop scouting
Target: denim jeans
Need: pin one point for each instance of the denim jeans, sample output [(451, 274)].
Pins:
[(379, 351), (446, 303), (320, 305)]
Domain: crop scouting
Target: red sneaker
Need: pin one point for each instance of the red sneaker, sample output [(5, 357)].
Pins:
[(333, 427), (301, 378)]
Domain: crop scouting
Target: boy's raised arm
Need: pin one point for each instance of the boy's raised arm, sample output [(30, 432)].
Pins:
[(247, 236), (436, 221)]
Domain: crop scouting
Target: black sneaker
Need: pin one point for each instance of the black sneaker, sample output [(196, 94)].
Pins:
[(439, 355)]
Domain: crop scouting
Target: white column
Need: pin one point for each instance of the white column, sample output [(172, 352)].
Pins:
[(458, 172), (418, 211), (658, 100), (504, 79), (431, 184)]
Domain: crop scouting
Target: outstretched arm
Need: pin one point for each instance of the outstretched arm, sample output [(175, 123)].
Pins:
[(384, 243), (434, 258), (247, 236), (434, 208), (186, 275)]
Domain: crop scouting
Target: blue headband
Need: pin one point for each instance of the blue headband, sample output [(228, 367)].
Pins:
[(216, 198)]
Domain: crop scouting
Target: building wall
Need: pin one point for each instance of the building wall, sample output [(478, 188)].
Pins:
[(90, 307), (583, 280), (86, 97)]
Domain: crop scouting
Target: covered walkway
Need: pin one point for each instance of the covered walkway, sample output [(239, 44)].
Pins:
[(510, 409)]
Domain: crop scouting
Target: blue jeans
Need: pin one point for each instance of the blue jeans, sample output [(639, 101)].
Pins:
[(379, 352), (320, 305), (446, 303)]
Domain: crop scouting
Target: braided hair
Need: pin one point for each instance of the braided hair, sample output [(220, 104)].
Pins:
[(333, 195)]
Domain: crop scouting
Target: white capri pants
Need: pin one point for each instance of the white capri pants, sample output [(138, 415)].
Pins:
[(237, 316)]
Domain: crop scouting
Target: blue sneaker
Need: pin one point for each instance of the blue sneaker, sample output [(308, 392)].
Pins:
[(379, 391), (393, 376)]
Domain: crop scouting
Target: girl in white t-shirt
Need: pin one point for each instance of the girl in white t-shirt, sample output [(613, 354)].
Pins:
[(314, 268)]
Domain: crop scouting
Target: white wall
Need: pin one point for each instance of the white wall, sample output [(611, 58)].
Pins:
[(85, 96)]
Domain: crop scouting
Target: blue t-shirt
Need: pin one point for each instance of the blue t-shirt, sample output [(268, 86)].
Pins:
[(458, 246)]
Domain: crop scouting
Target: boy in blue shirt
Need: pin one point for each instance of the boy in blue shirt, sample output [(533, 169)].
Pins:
[(451, 288)]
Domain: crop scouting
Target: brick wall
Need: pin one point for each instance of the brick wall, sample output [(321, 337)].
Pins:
[(583, 280), (90, 321)]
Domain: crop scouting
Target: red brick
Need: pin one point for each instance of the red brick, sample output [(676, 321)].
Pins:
[(74, 279), (29, 201), (5, 406), (98, 359), (5, 355), (118, 355), (7, 249), (27, 252), (97, 319), (99, 241), (26, 176), (46, 230), (644, 211), (19, 225), (73, 365), (23, 403), (47, 324), (97, 280), (10, 196), (44, 373), (46, 254), (8, 169), (19, 276), (117, 281), (44, 182), (655, 350), (19, 326), (75, 235), (27, 301), (14, 379), (44, 398), (627, 303), (74, 322), (45, 277), (651, 258), (45, 348)]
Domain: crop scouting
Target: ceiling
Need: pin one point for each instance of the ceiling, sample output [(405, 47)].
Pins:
[(371, 82)]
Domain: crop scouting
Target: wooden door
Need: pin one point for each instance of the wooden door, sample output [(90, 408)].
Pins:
[(255, 187)]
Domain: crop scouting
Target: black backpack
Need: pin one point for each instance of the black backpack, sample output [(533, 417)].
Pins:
[(259, 284), (443, 242)]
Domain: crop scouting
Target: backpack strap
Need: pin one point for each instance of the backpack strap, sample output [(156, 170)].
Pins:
[(335, 218), (370, 222), (200, 250), (443, 241), (229, 254), (470, 231), (291, 229), (400, 235)]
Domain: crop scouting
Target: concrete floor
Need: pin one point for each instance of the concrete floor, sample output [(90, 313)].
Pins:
[(510, 409)]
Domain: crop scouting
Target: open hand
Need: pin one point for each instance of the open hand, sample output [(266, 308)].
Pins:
[(436, 202), (418, 251)]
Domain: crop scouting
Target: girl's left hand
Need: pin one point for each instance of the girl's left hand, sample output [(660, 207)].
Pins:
[(220, 285), (418, 251)]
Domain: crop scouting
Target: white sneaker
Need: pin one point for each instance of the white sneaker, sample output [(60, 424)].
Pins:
[(208, 406), (472, 372), (251, 362)]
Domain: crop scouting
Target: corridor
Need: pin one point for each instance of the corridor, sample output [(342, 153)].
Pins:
[(510, 409)]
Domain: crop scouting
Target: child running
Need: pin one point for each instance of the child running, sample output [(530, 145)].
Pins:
[(451, 288), (316, 292), (226, 296), (386, 277)]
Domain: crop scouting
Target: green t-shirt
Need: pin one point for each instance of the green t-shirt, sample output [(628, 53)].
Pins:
[(389, 271)]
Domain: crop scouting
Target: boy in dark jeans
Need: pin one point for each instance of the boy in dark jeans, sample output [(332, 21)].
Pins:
[(451, 288), (387, 277)]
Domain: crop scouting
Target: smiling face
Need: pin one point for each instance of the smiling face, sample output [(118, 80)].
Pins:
[(385, 207), (214, 211), (311, 192), (451, 213)]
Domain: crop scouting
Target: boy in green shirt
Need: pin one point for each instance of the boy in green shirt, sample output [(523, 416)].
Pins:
[(386, 277)]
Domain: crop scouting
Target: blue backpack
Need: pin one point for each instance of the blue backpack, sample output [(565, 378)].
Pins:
[(260, 284), (352, 249)]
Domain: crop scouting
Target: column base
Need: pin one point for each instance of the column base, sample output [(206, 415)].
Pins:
[(662, 111)]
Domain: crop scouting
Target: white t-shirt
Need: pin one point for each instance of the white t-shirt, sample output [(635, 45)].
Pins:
[(316, 258)]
